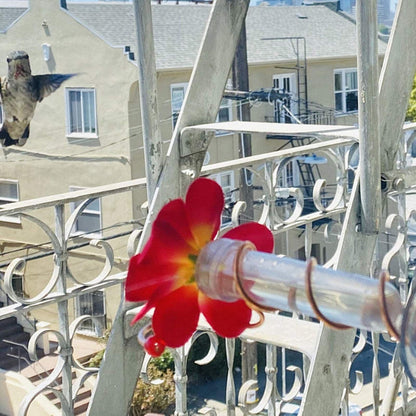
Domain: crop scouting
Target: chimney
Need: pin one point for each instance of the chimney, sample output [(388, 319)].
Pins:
[(63, 4)]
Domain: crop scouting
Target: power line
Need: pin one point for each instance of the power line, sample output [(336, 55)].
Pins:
[(80, 235)]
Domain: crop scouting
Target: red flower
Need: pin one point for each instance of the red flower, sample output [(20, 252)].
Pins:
[(163, 273)]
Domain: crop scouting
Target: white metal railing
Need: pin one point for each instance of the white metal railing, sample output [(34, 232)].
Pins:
[(313, 227)]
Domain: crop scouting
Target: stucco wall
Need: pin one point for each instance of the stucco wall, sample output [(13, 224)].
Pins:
[(51, 162)]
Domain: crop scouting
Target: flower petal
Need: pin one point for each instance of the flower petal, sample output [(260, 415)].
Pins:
[(228, 320), (204, 205), (160, 291), (174, 215), (257, 233), (165, 255), (176, 316)]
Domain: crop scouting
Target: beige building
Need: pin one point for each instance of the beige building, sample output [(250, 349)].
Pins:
[(88, 133)]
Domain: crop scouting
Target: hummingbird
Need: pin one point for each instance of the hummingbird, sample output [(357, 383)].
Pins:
[(20, 91)]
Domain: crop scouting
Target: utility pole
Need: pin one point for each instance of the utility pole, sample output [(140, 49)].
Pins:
[(241, 83)]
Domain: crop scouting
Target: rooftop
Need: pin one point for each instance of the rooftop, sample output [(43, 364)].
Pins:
[(178, 30)]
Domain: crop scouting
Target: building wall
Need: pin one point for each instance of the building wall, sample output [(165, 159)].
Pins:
[(51, 162)]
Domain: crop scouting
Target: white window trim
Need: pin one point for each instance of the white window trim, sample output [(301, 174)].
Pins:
[(229, 107), (283, 179), (294, 108), (85, 234), (217, 178), (88, 332), (15, 219), (173, 86), (344, 91), (80, 135)]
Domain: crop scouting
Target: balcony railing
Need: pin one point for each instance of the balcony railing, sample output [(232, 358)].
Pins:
[(326, 116), (281, 378)]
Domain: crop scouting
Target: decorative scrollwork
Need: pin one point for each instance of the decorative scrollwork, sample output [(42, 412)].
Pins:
[(400, 229), (271, 396), (73, 328), (407, 346), (109, 255), (106, 270), (331, 229), (19, 263), (133, 242), (47, 384), (356, 350), (65, 349)]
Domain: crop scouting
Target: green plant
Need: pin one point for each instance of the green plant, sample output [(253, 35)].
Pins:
[(164, 362), (95, 361), (411, 110), (154, 398)]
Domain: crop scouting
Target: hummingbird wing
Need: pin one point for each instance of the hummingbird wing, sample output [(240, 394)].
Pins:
[(1, 89), (48, 83)]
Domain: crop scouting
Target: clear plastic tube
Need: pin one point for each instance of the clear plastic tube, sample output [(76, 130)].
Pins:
[(277, 282)]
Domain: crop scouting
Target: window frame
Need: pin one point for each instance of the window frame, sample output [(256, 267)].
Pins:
[(226, 103), (14, 219), (82, 134), (227, 199), (280, 114), (75, 231), (290, 175), (84, 328), (344, 90), (175, 115)]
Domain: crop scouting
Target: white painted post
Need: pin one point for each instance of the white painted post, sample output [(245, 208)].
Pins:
[(120, 368), (146, 61), (396, 78), (202, 100), (66, 352), (367, 63)]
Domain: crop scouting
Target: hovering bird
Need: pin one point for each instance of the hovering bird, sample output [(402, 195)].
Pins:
[(20, 91)]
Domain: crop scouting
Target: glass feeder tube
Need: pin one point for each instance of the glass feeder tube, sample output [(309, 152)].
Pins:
[(229, 270)]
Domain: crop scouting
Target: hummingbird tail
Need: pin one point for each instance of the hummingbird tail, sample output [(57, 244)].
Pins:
[(5, 138)]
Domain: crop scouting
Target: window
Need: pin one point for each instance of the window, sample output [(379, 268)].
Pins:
[(346, 90), (81, 118), (413, 148), (226, 181), (285, 83), (177, 94), (9, 192), (290, 175), (353, 160), (178, 91), (92, 304), (17, 284), (224, 113), (89, 222)]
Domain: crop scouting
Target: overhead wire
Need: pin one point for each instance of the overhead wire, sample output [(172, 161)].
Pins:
[(102, 136), (85, 234)]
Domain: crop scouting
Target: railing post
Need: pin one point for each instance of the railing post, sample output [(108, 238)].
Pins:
[(66, 353), (215, 57), (152, 141), (370, 173)]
